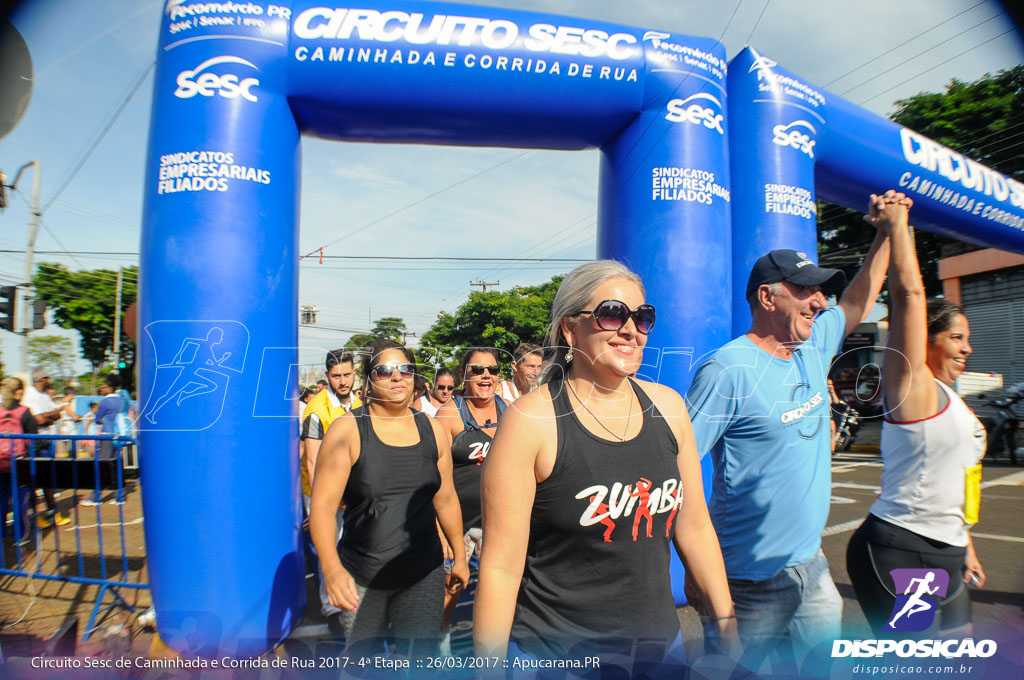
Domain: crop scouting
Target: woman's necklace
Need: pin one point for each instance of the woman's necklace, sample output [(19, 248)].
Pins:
[(592, 415)]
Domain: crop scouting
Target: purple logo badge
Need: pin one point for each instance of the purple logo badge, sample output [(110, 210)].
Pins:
[(917, 594)]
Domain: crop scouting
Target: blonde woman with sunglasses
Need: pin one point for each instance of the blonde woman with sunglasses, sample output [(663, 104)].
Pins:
[(591, 479), (393, 467)]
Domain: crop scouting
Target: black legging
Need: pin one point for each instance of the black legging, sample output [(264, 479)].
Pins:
[(878, 547)]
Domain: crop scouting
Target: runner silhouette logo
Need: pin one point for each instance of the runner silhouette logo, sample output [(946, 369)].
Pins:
[(195, 362), (918, 591)]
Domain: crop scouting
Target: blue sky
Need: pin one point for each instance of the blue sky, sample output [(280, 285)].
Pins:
[(504, 202)]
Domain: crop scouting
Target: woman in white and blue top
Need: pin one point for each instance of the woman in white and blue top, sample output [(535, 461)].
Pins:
[(932, 445)]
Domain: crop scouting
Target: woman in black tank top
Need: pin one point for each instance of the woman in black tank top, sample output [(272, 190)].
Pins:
[(471, 420), (392, 465), (588, 481)]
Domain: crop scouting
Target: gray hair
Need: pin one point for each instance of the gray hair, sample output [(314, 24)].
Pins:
[(752, 299), (571, 298)]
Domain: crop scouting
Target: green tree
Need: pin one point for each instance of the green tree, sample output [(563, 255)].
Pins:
[(500, 319), (84, 301), (360, 341), (53, 352), (390, 327), (980, 119)]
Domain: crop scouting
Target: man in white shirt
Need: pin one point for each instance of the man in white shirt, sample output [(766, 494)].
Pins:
[(527, 362), (46, 412)]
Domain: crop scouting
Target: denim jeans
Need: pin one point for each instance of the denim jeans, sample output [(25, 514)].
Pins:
[(790, 613)]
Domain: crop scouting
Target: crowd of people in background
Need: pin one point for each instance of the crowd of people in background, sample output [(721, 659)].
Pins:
[(559, 480), (35, 409), (582, 476)]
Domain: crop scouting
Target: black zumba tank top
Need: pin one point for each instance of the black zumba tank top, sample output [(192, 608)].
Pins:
[(390, 539), (597, 563), (468, 452)]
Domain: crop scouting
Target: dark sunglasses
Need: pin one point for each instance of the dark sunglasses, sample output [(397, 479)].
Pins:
[(445, 388), (611, 315), (382, 371), (476, 369)]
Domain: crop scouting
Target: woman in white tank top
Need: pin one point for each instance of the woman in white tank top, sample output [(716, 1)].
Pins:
[(932, 445)]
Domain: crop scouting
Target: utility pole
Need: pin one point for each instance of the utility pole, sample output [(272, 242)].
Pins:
[(484, 284), (33, 227), (117, 320)]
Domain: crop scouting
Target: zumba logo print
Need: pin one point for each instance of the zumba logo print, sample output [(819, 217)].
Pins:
[(641, 501), (914, 610), (478, 451)]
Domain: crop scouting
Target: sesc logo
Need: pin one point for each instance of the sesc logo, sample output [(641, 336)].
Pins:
[(790, 135), (228, 85), (695, 113)]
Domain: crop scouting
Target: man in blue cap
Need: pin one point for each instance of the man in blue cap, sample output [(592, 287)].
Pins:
[(760, 407)]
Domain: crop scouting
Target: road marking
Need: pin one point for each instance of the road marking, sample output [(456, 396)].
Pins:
[(839, 500), (847, 455), (997, 537), (854, 485), (105, 524), (845, 467), (842, 528), (1012, 479)]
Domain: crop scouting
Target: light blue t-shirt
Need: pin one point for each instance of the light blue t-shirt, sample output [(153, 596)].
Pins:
[(765, 421)]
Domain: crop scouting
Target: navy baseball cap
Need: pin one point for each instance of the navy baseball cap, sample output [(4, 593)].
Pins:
[(793, 267)]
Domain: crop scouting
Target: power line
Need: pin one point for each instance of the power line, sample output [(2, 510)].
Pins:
[(54, 237), (103, 133), (424, 258), (955, 56), (416, 202), (751, 34), (925, 51), (928, 30), (731, 17)]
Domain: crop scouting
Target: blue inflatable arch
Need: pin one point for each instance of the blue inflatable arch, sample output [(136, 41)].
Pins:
[(238, 83)]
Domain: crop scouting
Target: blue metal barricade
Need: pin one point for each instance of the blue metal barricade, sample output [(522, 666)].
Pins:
[(42, 468)]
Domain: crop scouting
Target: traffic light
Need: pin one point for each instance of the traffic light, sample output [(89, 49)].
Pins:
[(122, 364), (8, 299), (38, 314)]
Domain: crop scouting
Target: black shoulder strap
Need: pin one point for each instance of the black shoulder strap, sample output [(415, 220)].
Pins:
[(646, 404)]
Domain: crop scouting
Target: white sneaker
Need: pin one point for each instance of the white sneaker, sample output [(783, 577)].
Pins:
[(445, 648), (89, 502)]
